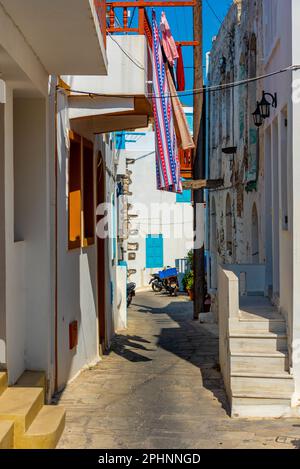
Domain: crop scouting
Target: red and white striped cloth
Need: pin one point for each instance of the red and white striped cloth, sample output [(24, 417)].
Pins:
[(167, 160)]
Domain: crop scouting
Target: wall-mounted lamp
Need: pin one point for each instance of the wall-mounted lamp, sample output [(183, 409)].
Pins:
[(265, 105), (257, 117), (263, 108)]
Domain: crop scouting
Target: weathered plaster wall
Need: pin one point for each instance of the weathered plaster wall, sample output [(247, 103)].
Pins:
[(236, 55)]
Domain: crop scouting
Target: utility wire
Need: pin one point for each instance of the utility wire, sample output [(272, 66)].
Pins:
[(126, 53), (196, 91), (217, 17), (214, 12)]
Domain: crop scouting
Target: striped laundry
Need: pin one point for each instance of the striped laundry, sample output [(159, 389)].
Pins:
[(167, 160)]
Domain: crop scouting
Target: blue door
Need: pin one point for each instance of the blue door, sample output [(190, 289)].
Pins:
[(154, 251)]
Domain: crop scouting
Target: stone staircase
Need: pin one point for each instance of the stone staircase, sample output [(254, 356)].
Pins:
[(260, 382), (253, 347), (25, 421)]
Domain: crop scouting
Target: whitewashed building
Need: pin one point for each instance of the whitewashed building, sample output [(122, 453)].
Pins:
[(160, 224), (253, 218), (62, 290)]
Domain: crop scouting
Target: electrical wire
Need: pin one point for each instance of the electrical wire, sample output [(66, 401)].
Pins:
[(213, 12), (140, 66), (217, 17), (131, 19), (192, 92)]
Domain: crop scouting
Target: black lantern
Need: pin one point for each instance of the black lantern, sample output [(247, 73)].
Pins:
[(264, 105), (257, 117)]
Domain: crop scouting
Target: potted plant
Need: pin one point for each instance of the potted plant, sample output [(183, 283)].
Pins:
[(188, 283)]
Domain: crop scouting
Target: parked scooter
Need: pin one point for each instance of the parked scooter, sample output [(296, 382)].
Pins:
[(162, 280), (156, 283), (130, 292), (171, 285)]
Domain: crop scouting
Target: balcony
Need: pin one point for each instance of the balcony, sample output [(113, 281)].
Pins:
[(66, 36), (119, 100)]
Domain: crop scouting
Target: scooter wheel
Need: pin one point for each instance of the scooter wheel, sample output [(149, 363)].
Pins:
[(156, 288)]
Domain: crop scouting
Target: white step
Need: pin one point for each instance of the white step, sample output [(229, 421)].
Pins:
[(276, 362), (257, 342), (259, 407), (277, 326), (251, 385)]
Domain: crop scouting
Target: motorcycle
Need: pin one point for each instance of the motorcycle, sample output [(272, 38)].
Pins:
[(156, 283), (130, 292), (161, 281), (171, 285)]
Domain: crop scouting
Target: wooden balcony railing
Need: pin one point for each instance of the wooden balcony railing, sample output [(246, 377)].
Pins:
[(123, 24)]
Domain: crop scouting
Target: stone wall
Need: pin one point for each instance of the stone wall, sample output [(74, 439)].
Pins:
[(235, 212)]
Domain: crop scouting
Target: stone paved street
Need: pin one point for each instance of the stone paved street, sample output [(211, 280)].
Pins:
[(160, 387)]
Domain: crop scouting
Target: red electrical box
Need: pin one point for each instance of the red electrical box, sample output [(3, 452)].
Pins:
[(73, 334)]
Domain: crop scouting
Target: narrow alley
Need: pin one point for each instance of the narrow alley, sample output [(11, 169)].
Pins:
[(160, 387)]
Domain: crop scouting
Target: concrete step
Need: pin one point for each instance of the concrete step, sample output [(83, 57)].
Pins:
[(251, 385), (33, 379), (257, 342), (268, 363), (277, 326), (21, 405), (6, 434), (46, 429), (3, 381), (260, 407)]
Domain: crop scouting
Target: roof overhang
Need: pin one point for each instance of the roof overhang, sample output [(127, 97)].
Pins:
[(103, 124), (65, 35), (87, 107)]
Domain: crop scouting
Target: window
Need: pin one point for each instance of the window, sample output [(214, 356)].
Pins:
[(75, 192), (185, 197), (88, 193), (81, 192), (154, 251)]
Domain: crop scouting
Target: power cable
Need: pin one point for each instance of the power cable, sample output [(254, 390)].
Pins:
[(126, 53), (214, 12), (217, 17), (196, 91)]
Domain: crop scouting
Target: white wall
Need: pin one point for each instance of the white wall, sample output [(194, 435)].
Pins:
[(15, 304), (77, 278), (2, 240), (77, 270), (295, 171), (281, 52), (124, 76), (175, 224), (27, 266)]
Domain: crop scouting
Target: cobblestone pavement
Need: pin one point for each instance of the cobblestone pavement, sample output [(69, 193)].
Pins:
[(160, 387)]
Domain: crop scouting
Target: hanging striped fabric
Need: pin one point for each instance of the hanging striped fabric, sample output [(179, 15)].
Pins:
[(167, 160)]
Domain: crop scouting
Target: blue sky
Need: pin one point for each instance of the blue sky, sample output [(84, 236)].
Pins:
[(181, 23)]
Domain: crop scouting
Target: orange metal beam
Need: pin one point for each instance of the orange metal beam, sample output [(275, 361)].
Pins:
[(144, 4), (188, 43)]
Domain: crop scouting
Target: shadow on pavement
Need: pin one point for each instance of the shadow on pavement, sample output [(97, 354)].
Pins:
[(191, 341), (123, 344)]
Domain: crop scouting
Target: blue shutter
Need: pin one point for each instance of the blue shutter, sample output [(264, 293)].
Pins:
[(154, 251), (185, 197)]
